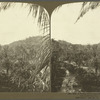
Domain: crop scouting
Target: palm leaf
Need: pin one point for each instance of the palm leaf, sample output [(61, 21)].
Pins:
[(86, 6), (37, 11), (42, 58)]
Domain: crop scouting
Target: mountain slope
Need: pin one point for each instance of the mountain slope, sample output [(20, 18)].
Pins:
[(80, 62), (26, 62)]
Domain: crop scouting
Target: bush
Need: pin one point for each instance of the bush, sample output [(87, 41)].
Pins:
[(88, 81)]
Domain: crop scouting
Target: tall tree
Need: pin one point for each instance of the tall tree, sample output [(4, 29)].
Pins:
[(42, 58)]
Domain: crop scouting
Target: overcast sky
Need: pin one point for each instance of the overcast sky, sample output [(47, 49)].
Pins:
[(85, 31), (15, 24)]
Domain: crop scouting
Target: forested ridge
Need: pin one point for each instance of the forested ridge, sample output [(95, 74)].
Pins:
[(24, 65), (75, 67)]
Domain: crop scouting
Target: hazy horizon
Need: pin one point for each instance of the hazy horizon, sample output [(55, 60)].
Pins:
[(21, 39), (76, 43)]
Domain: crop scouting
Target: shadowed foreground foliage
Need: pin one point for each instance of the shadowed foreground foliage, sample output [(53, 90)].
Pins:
[(24, 66), (75, 67)]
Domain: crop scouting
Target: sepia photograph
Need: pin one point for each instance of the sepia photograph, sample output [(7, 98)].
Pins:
[(24, 48), (42, 51), (75, 60)]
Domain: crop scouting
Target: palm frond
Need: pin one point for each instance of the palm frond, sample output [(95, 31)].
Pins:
[(37, 11), (86, 6), (42, 57), (5, 5)]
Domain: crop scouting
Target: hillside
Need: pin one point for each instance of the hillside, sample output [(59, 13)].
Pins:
[(80, 54), (23, 62), (28, 41), (77, 63)]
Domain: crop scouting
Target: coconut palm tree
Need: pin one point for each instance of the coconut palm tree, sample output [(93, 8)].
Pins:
[(42, 59)]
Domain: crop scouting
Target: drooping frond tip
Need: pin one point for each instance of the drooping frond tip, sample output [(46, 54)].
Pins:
[(37, 11), (86, 6), (5, 5)]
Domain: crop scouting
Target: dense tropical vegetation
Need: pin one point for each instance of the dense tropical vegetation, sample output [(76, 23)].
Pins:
[(75, 67), (25, 64), (24, 67)]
